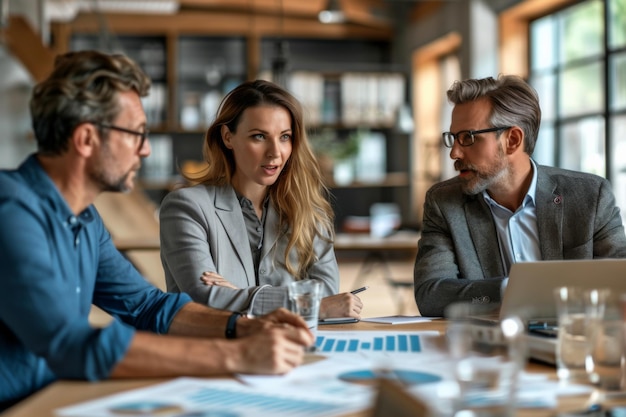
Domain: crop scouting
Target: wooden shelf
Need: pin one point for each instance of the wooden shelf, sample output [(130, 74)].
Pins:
[(398, 241), (193, 43), (161, 184), (392, 179)]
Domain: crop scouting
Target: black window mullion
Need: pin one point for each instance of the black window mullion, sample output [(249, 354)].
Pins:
[(607, 97)]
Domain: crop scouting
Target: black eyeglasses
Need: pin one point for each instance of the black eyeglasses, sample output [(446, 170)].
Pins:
[(466, 137), (142, 135)]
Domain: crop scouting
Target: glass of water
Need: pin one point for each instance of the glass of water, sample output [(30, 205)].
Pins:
[(488, 356), (305, 297), (605, 364), (578, 311)]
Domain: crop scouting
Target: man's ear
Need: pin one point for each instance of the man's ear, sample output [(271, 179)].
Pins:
[(84, 139), (514, 139), (226, 136)]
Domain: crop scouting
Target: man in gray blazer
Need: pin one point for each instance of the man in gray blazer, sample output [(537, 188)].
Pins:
[(503, 208)]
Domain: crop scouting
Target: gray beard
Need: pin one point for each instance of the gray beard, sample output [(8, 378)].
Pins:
[(482, 183)]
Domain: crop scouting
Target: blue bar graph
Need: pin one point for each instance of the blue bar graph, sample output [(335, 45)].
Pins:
[(236, 403), (336, 342)]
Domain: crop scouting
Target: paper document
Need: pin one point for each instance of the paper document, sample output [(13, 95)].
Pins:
[(184, 397), (399, 319), (371, 342), (353, 377)]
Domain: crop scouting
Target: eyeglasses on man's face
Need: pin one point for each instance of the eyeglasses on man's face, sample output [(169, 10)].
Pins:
[(466, 137), (142, 135)]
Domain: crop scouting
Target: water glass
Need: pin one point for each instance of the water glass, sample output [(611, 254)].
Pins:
[(305, 297), (605, 363), (488, 357), (578, 310)]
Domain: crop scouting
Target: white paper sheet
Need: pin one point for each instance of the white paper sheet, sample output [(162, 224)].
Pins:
[(192, 397)]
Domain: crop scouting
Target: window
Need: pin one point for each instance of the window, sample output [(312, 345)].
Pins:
[(578, 66)]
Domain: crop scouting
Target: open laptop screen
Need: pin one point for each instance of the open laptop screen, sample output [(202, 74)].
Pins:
[(529, 290)]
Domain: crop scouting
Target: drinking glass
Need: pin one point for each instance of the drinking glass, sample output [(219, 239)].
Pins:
[(305, 297), (578, 310), (488, 356), (605, 363)]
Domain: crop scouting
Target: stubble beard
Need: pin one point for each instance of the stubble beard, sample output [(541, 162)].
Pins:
[(119, 185), (106, 181), (484, 179)]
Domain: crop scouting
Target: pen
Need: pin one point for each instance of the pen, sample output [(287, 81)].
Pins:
[(358, 290), (537, 324)]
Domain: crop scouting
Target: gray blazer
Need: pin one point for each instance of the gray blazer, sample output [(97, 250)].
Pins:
[(203, 229), (458, 255)]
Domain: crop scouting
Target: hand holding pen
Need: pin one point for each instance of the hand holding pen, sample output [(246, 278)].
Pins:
[(345, 304), (358, 290), (354, 305)]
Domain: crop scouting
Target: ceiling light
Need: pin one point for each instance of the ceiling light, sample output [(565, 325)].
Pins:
[(133, 6), (332, 13), (66, 10)]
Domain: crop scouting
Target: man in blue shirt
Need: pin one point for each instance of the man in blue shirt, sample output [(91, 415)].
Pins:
[(504, 208), (57, 258)]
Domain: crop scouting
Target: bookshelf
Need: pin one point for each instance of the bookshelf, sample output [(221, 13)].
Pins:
[(346, 86), (150, 53)]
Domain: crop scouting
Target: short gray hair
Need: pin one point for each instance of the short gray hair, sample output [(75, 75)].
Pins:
[(514, 103), (82, 87)]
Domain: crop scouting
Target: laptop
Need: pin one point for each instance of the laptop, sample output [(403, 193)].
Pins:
[(529, 294), (529, 291)]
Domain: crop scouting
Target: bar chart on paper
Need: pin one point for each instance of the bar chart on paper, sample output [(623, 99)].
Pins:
[(331, 342), (191, 397)]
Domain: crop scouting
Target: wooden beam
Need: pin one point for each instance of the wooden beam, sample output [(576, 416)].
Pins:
[(288, 8), (26, 45), (435, 50), (227, 24), (61, 36), (356, 11), (423, 10), (428, 97)]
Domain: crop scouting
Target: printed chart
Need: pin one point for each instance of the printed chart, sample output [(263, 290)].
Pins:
[(189, 397), (404, 376), (330, 342)]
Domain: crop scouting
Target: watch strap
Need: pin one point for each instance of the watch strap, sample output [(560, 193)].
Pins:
[(231, 325)]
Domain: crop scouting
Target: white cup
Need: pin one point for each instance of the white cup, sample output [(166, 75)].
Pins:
[(305, 297)]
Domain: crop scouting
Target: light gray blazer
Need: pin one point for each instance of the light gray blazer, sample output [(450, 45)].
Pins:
[(203, 229), (458, 256)]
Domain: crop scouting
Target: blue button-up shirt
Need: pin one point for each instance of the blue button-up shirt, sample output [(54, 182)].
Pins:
[(53, 266), (518, 234)]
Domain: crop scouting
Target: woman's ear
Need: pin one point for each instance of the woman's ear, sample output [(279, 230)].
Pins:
[(226, 136)]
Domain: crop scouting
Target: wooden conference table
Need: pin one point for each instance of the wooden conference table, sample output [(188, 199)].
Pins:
[(64, 393)]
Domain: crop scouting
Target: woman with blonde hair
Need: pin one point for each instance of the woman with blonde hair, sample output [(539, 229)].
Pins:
[(258, 218)]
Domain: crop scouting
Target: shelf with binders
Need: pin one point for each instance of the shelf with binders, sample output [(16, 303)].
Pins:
[(207, 69), (150, 54), (348, 87)]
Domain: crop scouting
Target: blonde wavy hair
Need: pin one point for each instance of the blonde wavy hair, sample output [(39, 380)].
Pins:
[(299, 194)]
